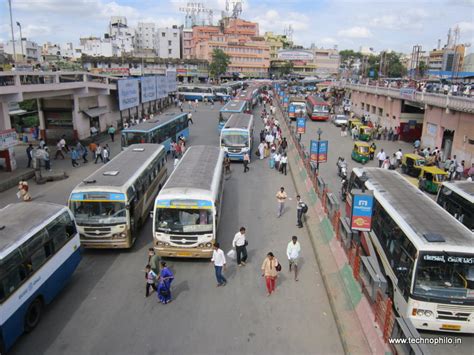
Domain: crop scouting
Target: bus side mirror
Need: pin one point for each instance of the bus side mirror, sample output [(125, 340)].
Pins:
[(151, 214), (127, 206)]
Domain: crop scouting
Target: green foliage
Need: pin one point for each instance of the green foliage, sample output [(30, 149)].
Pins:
[(349, 54), (28, 105), (281, 70), (422, 68), (220, 62)]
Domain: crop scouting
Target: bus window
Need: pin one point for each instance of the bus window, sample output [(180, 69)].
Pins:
[(38, 258)]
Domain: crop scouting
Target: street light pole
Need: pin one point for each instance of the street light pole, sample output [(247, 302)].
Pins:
[(13, 33), (21, 42), (319, 132)]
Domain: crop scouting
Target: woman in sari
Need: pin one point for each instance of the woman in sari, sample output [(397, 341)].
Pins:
[(164, 285)]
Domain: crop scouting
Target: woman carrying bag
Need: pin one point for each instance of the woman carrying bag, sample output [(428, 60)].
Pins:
[(270, 268)]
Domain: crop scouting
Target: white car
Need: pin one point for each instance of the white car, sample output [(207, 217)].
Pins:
[(340, 120)]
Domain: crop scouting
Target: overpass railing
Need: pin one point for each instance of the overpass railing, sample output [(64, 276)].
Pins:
[(457, 103)]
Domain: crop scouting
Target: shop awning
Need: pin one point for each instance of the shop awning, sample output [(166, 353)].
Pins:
[(96, 111)]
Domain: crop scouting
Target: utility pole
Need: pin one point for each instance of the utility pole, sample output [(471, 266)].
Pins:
[(13, 33), (21, 42)]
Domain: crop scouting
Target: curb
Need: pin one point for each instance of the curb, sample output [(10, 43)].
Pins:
[(12, 181), (351, 310)]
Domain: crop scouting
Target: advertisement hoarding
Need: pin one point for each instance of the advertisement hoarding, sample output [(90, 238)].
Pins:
[(161, 87), (318, 151), (171, 81), (148, 85), (128, 93), (361, 214), (301, 125)]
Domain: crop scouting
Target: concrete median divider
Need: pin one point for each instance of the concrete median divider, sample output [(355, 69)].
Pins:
[(353, 313)]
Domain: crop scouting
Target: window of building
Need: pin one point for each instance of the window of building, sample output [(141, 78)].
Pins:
[(380, 111), (163, 34), (362, 105), (169, 43), (169, 51), (175, 35), (373, 109)]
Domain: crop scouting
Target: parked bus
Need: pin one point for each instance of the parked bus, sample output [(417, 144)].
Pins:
[(296, 108), (112, 204), (317, 108), (233, 106), (200, 93), (237, 136), (161, 129), (222, 93), (249, 95), (458, 199), (187, 209), (39, 251), (426, 255)]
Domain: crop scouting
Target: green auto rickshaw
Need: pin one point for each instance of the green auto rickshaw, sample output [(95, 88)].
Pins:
[(361, 152), (354, 122), (431, 178), (412, 163), (365, 133)]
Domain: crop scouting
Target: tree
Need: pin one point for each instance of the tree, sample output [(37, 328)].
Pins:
[(220, 62), (280, 70), (422, 68)]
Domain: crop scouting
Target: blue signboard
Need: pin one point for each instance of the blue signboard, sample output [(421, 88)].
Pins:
[(161, 87), (362, 206), (300, 125), (97, 196), (171, 81), (292, 110), (372, 73), (128, 93), (148, 86), (318, 151)]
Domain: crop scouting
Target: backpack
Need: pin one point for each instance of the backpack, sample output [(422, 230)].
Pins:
[(304, 207)]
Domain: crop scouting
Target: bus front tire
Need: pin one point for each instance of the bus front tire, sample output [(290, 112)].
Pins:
[(33, 315)]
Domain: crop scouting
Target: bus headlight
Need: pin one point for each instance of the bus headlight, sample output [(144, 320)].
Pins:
[(201, 245), (122, 235), (208, 245), (428, 314), (421, 312)]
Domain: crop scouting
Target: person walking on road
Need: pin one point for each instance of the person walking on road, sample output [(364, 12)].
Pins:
[(240, 244), (270, 272), (105, 155), (246, 162), (164, 284), (111, 132), (261, 150), (281, 198), (300, 205), (59, 150), (283, 163), (218, 259), (74, 157), (190, 118), (227, 165), (399, 156), (153, 260), (150, 277), (293, 251), (381, 156), (29, 154), (98, 154)]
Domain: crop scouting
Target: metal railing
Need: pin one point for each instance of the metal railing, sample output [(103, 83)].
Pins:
[(457, 103)]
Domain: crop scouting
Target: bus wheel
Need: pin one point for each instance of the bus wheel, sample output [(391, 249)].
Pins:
[(33, 314)]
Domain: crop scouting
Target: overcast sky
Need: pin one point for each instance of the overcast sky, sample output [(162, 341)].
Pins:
[(381, 24)]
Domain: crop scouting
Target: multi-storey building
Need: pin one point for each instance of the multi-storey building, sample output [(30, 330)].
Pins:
[(169, 42), (96, 47), (25, 50), (249, 53), (276, 43), (186, 43), (327, 61), (121, 36), (145, 37)]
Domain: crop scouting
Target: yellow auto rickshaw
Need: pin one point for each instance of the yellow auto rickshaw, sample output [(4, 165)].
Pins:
[(412, 163), (361, 152), (431, 178), (354, 122), (365, 133)]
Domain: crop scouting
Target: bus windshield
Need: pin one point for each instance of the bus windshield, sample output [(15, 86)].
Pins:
[(321, 108), (445, 276), (133, 138), (235, 139), (99, 212), (176, 220)]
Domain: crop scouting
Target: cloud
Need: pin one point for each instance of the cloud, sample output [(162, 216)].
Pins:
[(355, 32), (274, 21), (327, 41), (466, 26), (411, 20)]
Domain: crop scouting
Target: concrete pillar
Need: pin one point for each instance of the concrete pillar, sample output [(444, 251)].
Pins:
[(42, 122), (75, 116), (5, 122)]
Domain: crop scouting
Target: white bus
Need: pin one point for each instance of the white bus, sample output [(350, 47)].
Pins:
[(111, 205), (39, 251), (426, 255), (187, 209), (237, 136), (458, 199)]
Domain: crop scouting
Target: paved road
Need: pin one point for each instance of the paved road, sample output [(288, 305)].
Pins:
[(103, 309), (342, 147)]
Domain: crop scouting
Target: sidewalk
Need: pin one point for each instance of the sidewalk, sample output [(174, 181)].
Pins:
[(351, 310)]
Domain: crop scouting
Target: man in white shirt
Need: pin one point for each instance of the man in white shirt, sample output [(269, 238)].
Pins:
[(240, 245), (218, 258), (283, 163), (398, 156), (381, 157), (293, 253), (277, 161), (281, 197)]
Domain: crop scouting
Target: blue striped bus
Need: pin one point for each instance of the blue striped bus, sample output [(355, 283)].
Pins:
[(198, 92), (233, 106), (39, 251), (161, 129), (237, 136)]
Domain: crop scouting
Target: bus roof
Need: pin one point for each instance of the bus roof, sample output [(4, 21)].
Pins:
[(196, 169), (239, 120), (17, 220), (123, 167), (154, 123), (463, 188), (233, 106), (417, 212), (317, 100)]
